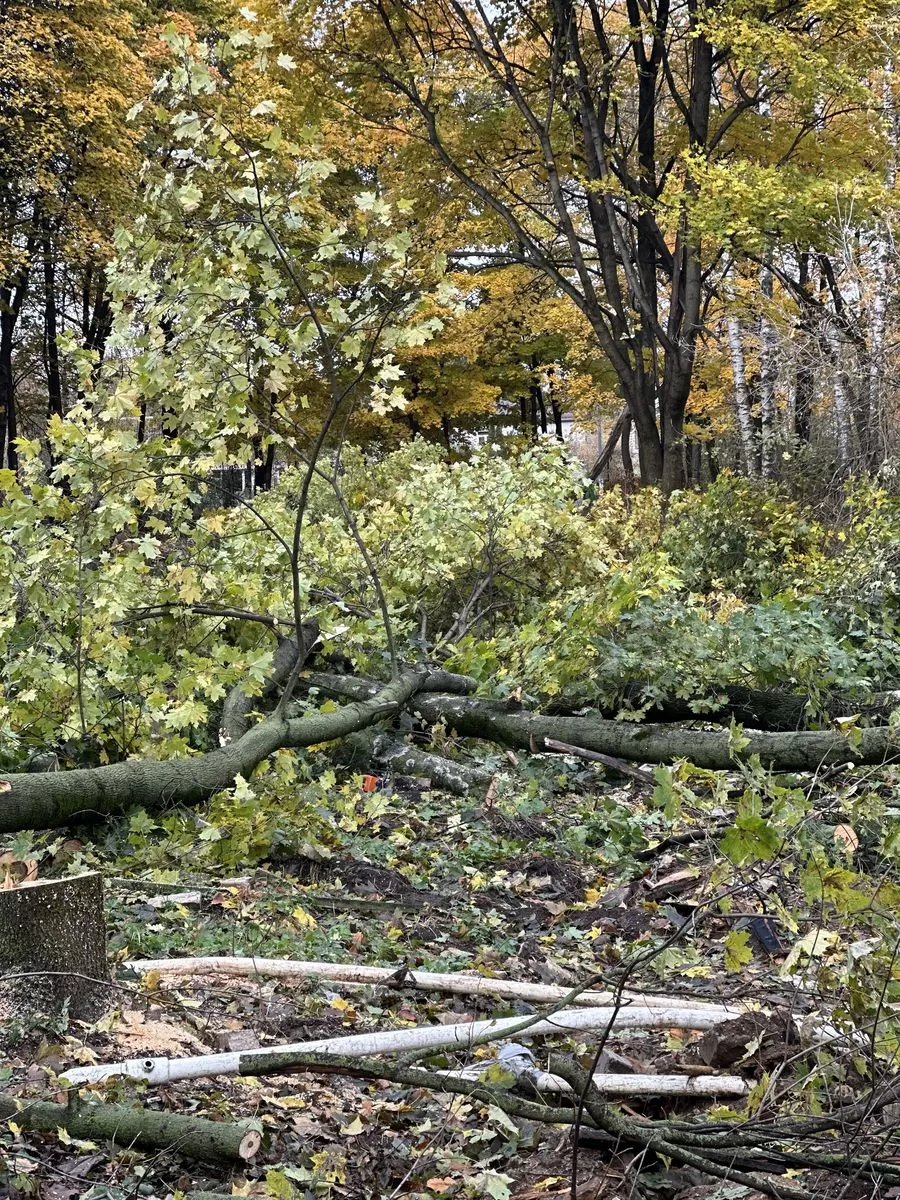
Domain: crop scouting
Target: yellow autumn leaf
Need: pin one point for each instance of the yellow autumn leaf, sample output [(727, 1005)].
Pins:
[(303, 918)]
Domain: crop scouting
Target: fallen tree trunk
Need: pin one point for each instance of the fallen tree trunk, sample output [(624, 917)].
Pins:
[(713, 750), (496, 721), (195, 1137), (437, 981), (46, 801), (759, 708), (462, 1036)]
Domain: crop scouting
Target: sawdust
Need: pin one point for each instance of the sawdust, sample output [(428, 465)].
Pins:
[(136, 1035)]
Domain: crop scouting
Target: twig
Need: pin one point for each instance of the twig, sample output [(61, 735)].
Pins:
[(607, 760)]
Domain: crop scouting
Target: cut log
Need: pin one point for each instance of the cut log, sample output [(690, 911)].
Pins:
[(53, 944), (454, 982), (520, 1062), (195, 1137), (462, 1036)]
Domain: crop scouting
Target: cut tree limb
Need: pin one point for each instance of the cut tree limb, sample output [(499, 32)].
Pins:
[(713, 750), (452, 982), (605, 760), (397, 757), (48, 800), (195, 1137), (462, 1036)]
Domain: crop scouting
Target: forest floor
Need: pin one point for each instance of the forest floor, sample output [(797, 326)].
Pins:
[(550, 882)]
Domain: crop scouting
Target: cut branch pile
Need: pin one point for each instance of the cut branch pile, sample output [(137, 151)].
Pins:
[(462, 1036)]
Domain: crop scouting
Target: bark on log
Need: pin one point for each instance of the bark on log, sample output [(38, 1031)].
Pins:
[(195, 1137), (55, 930), (368, 749), (800, 751), (48, 801)]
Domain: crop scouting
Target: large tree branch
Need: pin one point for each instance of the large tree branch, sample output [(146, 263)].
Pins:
[(47, 801), (803, 751)]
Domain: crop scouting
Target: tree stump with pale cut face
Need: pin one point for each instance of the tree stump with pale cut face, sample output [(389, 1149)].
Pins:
[(53, 946)]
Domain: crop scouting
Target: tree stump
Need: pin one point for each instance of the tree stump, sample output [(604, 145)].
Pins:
[(54, 932)]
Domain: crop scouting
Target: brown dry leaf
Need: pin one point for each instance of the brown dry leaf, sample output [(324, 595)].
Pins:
[(5, 785), (440, 1184), (846, 838)]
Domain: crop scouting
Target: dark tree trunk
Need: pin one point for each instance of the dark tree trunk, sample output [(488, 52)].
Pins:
[(51, 330), (12, 296), (96, 312), (539, 408), (7, 385), (555, 410), (804, 381), (263, 469)]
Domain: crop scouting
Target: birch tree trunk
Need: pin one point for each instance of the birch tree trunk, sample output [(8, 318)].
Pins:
[(841, 401), (882, 263), (742, 401), (768, 377)]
